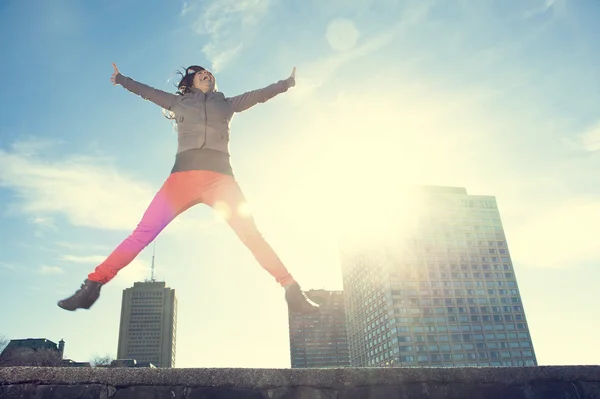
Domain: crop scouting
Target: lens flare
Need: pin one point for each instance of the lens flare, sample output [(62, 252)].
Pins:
[(222, 211), (244, 210)]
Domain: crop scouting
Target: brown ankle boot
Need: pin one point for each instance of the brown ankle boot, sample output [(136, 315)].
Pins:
[(297, 300), (84, 297)]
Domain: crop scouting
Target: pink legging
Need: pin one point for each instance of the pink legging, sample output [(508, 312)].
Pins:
[(179, 192)]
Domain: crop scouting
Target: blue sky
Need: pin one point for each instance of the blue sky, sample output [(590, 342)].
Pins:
[(500, 97)]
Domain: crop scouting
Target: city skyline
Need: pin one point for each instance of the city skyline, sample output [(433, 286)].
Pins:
[(496, 96), (391, 278)]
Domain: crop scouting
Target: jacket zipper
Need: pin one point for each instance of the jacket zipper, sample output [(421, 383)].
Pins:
[(205, 116)]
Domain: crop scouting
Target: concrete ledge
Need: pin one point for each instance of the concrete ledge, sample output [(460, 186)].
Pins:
[(577, 382), (268, 378)]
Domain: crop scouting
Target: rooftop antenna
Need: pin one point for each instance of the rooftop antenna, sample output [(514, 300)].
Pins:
[(153, 255)]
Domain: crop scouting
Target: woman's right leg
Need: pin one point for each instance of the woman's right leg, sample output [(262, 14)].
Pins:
[(179, 192)]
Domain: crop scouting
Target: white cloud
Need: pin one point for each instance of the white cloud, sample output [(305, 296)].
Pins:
[(590, 140), (87, 191), (42, 224), (227, 24), (81, 247), (45, 269), (84, 193), (7, 266), (541, 7), (185, 8), (219, 56), (137, 270), (93, 259), (43, 221), (32, 146)]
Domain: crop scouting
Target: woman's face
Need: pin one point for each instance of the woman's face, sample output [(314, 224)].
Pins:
[(204, 80)]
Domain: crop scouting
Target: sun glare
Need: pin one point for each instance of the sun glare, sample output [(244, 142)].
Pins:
[(222, 212), (244, 210), (350, 175), (389, 217)]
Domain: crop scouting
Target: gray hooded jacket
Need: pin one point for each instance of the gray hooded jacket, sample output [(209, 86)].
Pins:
[(203, 120)]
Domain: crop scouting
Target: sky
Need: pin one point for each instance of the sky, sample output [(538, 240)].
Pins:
[(499, 97)]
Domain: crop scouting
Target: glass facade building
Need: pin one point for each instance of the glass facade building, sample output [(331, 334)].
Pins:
[(320, 340), (441, 292)]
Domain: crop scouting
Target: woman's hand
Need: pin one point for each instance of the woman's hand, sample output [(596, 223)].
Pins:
[(293, 77), (115, 73)]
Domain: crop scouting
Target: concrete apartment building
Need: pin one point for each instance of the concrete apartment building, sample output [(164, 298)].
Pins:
[(148, 327)]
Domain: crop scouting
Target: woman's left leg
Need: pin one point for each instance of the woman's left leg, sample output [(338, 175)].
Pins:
[(224, 195)]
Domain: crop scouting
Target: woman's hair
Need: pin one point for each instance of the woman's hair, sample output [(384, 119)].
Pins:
[(187, 79), (185, 83)]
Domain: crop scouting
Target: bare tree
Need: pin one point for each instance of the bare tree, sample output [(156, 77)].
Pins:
[(97, 360)]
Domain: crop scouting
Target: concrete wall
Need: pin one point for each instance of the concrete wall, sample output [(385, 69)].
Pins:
[(347, 383)]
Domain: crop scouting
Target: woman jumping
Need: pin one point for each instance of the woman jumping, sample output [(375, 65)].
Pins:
[(202, 173)]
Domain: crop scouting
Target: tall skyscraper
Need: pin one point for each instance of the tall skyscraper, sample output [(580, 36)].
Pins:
[(320, 340), (148, 324), (437, 289)]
